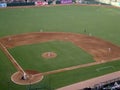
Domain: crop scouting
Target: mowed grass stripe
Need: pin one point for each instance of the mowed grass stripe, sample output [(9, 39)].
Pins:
[(68, 55), (97, 20)]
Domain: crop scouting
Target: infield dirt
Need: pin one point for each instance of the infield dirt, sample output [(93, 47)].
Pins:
[(101, 50)]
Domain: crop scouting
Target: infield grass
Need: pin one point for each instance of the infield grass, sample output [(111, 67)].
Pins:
[(68, 55), (99, 21)]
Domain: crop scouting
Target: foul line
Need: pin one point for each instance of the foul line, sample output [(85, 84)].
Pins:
[(10, 57)]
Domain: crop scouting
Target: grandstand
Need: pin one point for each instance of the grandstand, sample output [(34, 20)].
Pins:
[(32, 2), (104, 1), (10, 1), (113, 84)]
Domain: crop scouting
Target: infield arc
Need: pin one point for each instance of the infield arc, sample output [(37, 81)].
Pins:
[(97, 47)]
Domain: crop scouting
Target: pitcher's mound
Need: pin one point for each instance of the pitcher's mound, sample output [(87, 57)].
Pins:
[(49, 55), (32, 78)]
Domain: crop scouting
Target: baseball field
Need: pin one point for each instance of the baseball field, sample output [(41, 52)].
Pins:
[(66, 44)]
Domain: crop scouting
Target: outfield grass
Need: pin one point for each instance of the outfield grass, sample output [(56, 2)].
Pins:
[(100, 21)]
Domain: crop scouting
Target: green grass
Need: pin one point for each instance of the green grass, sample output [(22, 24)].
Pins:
[(100, 21), (82, 74), (68, 55), (97, 20)]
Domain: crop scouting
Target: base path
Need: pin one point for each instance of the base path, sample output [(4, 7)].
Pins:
[(21, 77), (91, 82), (101, 50)]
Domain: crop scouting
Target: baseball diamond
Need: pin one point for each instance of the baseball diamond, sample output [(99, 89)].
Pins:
[(54, 46), (98, 48)]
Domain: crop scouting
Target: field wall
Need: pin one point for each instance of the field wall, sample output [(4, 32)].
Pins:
[(112, 2)]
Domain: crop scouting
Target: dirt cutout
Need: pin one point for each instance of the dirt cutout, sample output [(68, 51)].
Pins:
[(33, 77), (49, 55)]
